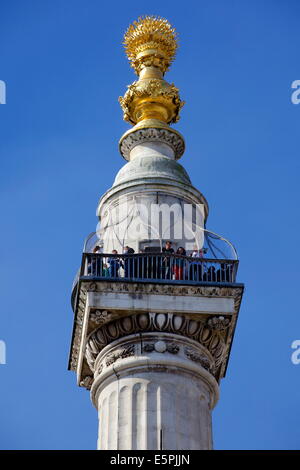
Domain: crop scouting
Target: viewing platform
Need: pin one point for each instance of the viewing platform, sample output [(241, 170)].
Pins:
[(160, 268), (160, 289)]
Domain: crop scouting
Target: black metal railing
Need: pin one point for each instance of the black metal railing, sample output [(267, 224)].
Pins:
[(162, 266), (169, 268)]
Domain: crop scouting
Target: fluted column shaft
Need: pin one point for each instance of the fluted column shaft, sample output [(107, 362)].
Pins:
[(150, 395)]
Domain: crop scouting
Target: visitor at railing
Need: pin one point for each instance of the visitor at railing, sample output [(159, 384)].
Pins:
[(179, 268), (114, 265), (166, 262), (129, 263), (92, 266), (199, 253), (197, 268), (105, 270)]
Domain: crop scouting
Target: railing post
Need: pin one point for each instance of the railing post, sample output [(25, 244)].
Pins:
[(84, 265)]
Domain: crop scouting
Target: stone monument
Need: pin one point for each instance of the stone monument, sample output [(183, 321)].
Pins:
[(153, 328)]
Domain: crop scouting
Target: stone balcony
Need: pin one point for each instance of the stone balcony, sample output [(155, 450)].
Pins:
[(154, 296)]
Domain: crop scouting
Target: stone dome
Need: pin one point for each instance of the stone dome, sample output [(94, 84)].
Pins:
[(152, 167)]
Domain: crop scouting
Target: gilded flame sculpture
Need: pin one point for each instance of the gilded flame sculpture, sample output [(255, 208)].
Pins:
[(150, 44), (150, 41)]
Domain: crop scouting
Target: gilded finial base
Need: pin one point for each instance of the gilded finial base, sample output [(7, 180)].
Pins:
[(151, 98), (150, 45), (151, 130)]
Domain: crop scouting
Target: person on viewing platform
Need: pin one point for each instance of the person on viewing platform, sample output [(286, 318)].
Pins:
[(166, 262), (105, 270), (128, 262), (197, 268), (179, 264), (198, 253), (94, 264), (114, 265)]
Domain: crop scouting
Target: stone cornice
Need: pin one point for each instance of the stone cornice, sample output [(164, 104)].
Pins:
[(201, 331), (98, 318), (139, 136)]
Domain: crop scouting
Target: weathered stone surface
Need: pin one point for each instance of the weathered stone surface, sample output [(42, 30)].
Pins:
[(208, 315), (154, 399)]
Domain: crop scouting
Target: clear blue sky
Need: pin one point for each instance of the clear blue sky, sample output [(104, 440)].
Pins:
[(64, 68)]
